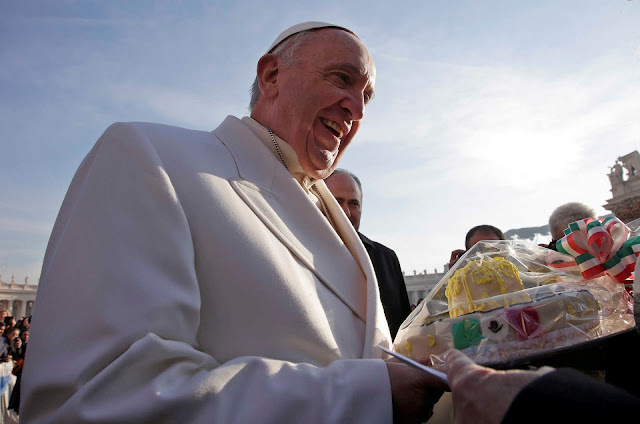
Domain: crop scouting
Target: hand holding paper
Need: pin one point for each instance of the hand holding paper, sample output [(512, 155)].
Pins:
[(413, 391), (438, 374)]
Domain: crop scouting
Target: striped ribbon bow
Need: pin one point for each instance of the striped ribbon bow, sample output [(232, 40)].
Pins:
[(601, 247)]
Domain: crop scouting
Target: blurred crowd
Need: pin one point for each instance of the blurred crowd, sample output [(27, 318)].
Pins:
[(13, 348)]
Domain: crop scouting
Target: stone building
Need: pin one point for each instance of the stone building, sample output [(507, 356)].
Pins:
[(625, 187), (418, 285), (18, 299)]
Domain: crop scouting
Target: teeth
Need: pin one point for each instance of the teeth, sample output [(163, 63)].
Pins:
[(334, 125)]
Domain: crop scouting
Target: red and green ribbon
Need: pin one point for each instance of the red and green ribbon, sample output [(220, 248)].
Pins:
[(601, 247)]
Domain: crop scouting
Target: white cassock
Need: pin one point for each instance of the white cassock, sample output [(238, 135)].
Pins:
[(190, 279)]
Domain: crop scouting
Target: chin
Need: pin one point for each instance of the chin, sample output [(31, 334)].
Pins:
[(321, 174)]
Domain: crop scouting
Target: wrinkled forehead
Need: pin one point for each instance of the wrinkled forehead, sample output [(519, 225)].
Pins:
[(348, 48), (369, 66)]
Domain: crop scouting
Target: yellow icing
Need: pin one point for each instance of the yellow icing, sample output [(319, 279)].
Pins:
[(481, 275), (431, 340), (490, 272), (504, 267), (454, 287), (408, 347)]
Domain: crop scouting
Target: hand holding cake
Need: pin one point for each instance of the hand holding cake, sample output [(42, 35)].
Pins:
[(484, 395)]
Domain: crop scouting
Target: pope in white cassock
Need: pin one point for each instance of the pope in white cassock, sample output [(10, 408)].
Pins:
[(213, 276)]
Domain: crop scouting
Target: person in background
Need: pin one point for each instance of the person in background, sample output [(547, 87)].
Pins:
[(213, 276), (24, 337), (4, 343), (10, 321), (347, 190), (11, 334), (13, 343), (474, 235), (14, 399), (564, 215), (16, 349), (23, 323)]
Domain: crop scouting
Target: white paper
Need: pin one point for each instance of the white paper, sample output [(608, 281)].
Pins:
[(438, 374)]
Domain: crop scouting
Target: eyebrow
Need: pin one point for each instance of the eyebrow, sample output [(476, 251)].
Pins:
[(357, 71)]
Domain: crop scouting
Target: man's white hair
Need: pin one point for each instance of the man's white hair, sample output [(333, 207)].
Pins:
[(286, 52), (570, 212)]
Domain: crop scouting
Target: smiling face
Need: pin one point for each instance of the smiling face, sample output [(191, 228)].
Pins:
[(316, 104)]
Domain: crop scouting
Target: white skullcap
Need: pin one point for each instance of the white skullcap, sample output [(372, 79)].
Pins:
[(302, 27)]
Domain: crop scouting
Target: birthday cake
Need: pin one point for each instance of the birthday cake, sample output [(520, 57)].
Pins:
[(490, 312)]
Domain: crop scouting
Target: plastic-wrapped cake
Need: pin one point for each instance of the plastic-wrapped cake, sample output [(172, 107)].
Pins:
[(490, 313)]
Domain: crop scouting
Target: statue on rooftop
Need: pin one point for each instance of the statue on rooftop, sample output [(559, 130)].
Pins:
[(615, 176)]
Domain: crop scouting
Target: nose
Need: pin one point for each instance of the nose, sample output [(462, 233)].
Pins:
[(354, 104)]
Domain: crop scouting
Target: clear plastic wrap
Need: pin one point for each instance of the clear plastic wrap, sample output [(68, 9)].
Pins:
[(504, 301), (634, 227)]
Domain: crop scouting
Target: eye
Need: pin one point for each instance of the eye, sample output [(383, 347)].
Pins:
[(343, 78), (367, 95)]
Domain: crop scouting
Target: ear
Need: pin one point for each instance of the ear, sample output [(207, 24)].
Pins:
[(268, 67)]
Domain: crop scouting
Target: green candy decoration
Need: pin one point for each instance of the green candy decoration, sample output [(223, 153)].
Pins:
[(466, 333)]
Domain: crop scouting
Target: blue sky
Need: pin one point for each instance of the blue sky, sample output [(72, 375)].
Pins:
[(486, 112)]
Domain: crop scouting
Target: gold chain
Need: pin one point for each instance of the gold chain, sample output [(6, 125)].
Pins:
[(324, 206), (275, 143)]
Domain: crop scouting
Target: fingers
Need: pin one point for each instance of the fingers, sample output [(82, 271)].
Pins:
[(457, 365), (456, 360), (425, 361), (428, 380), (455, 253), (413, 392)]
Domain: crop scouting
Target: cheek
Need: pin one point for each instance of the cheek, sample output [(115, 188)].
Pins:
[(354, 128), (347, 140)]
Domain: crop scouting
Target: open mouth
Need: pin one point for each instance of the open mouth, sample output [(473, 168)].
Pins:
[(333, 127)]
